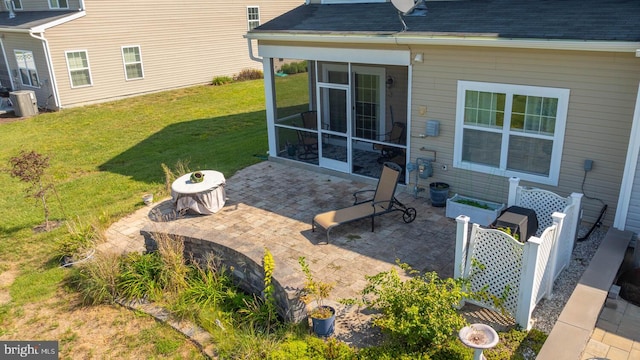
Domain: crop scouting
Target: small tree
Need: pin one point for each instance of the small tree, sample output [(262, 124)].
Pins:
[(30, 167)]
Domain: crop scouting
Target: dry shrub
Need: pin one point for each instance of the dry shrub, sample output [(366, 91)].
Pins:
[(180, 168), (97, 280), (174, 273)]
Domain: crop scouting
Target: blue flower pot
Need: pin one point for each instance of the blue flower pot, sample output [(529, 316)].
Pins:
[(324, 327)]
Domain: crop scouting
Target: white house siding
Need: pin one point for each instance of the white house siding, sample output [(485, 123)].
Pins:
[(182, 44), (21, 41), (603, 91)]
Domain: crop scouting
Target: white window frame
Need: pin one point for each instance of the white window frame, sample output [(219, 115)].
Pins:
[(17, 4), (125, 63), (69, 70), (250, 21), (29, 69), (562, 95), (55, 4)]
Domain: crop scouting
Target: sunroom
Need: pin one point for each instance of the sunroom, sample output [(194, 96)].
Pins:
[(347, 112)]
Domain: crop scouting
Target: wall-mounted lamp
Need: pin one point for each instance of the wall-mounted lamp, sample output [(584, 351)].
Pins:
[(389, 82), (418, 57)]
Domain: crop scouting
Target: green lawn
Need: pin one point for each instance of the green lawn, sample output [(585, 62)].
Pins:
[(104, 157)]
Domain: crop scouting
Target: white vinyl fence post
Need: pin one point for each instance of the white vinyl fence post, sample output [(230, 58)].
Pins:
[(525, 292), (513, 190), (462, 243)]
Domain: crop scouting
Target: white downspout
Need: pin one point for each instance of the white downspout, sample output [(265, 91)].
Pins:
[(52, 77), (251, 56)]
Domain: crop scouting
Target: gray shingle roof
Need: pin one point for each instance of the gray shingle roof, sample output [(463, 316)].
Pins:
[(25, 20), (603, 20)]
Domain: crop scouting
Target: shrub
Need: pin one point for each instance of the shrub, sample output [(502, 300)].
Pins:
[(30, 167), (174, 271), (80, 239), (139, 277), (97, 280), (221, 80), (419, 312), (301, 67), (249, 74)]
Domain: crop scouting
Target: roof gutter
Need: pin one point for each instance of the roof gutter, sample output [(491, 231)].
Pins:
[(52, 77), (42, 28), (481, 40)]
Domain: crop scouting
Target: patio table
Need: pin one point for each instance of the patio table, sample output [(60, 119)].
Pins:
[(206, 197)]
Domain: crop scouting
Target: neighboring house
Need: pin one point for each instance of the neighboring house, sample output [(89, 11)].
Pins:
[(518, 88), (75, 52)]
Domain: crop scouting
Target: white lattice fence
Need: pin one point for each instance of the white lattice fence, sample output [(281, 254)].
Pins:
[(546, 204), (500, 256), (519, 273)]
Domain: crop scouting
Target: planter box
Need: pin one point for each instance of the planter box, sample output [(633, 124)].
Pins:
[(477, 215)]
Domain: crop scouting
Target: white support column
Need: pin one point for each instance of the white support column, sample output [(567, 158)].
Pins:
[(513, 190), (462, 242), (525, 292)]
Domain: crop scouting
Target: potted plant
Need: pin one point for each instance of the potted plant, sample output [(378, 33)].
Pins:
[(322, 316), (438, 193)]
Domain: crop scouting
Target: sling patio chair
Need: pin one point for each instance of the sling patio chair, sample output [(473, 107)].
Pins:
[(308, 140), (383, 202), (397, 135)]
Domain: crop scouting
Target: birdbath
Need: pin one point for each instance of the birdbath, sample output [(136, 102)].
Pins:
[(478, 337)]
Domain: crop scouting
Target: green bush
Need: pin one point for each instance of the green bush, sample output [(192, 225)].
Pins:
[(417, 313), (221, 80), (301, 67), (313, 348), (139, 277)]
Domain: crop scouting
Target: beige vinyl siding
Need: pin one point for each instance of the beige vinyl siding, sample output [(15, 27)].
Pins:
[(181, 43), (603, 89), (18, 41)]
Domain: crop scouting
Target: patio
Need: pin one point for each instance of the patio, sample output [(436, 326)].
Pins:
[(270, 205)]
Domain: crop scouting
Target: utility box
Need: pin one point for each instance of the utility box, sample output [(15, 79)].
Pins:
[(24, 102)]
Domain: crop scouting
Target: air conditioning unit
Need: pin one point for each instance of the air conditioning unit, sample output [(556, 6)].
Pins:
[(24, 102)]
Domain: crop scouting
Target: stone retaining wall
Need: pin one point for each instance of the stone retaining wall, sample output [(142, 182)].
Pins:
[(247, 271)]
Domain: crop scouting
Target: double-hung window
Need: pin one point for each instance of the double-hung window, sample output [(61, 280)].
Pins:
[(510, 130), (253, 17), (132, 62), (78, 66), (58, 4), (27, 68)]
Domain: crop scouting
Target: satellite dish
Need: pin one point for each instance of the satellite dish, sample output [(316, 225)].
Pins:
[(404, 6), (407, 7)]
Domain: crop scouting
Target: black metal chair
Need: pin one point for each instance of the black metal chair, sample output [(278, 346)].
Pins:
[(308, 140)]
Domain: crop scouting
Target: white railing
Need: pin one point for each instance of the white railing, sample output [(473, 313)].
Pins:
[(520, 274)]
